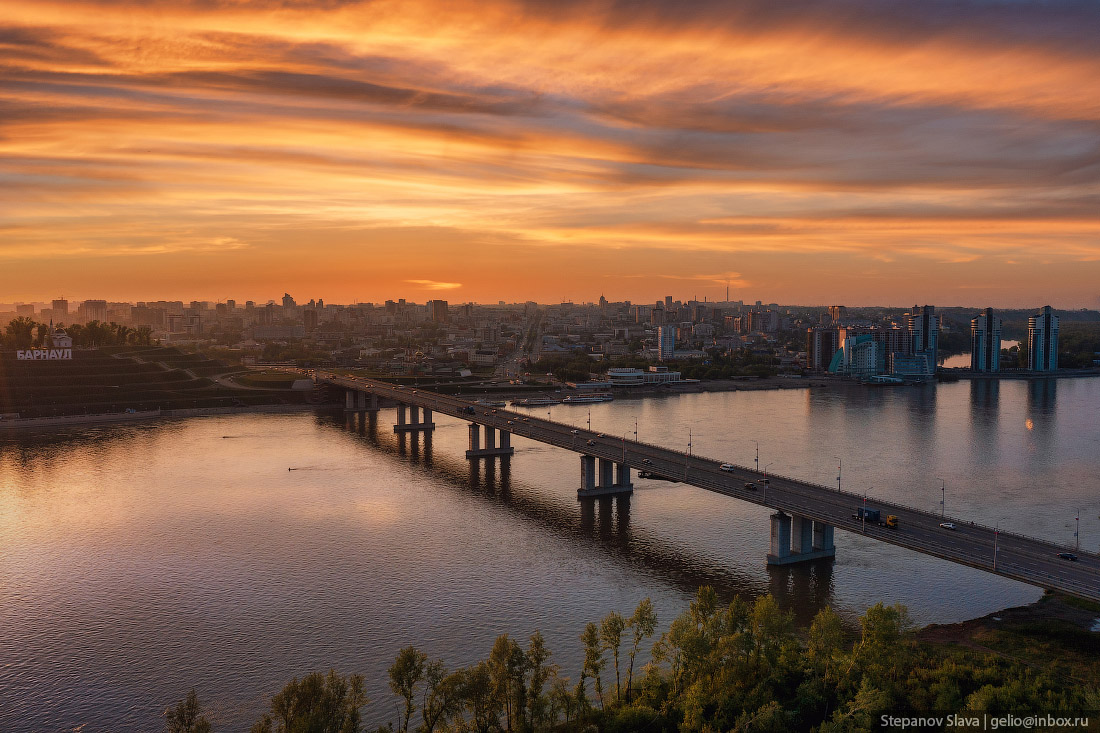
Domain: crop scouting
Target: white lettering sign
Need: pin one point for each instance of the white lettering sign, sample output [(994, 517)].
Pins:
[(47, 354)]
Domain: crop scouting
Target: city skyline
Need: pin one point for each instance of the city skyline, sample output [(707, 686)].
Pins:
[(860, 152)]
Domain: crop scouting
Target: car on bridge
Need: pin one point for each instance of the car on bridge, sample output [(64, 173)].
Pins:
[(727, 467), (750, 487), (947, 525), (1068, 556)]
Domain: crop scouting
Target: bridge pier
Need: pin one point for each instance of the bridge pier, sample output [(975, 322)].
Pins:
[(798, 539), (414, 424), (359, 401), (612, 479), (491, 448)]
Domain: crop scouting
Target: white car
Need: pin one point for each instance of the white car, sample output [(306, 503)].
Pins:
[(727, 467), (947, 525)]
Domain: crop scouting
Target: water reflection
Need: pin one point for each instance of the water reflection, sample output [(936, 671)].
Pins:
[(984, 420)]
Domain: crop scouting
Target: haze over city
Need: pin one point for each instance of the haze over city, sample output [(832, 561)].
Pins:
[(863, 152)]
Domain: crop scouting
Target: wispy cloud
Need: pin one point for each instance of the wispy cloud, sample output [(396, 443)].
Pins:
[(790, 141), (434, 284)]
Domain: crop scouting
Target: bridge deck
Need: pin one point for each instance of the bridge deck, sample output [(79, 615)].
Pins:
[(1026, 559)]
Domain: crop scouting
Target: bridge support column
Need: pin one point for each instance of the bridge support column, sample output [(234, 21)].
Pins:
[(414, 424), (349, 399), (622, 476), (611, 479), (823, 538), (361, 401), (781, 539), (373, 403), (588, 474), (491, 448), (799, 539)]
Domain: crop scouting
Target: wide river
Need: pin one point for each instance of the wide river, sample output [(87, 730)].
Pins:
[(233, 553)]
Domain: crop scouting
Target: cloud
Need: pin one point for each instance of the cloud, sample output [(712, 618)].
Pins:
[(829, 134), (434, 285)]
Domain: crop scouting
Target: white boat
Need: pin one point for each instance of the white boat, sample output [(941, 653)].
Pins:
[(535, 402), (587, 399)]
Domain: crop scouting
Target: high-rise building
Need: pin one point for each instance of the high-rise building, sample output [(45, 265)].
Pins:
[(24, 309), (438, 311), (668, 302), (985, 342), (821, 344), (310, 319), (924, 331), (94, 310), (60, 308), (666, 342), (838, 313), (1042, 341)]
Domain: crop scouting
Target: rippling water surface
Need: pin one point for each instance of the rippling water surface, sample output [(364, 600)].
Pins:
[(231, 554)]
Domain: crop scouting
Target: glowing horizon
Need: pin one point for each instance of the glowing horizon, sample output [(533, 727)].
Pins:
[(869, 152)]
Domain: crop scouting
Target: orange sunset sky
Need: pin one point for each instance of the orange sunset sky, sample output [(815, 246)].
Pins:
[(863, 152)]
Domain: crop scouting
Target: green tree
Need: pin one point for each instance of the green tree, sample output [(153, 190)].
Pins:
[(643, 624), (187, 716), (593, 658), (406, 673), (611, 639), (507, 664), (20, 332), (538, 702), (441, 695), (316, 704)]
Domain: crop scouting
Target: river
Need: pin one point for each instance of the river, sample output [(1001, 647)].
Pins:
[(233, 553)]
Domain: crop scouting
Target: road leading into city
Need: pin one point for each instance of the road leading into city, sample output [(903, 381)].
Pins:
[(1026, 559)]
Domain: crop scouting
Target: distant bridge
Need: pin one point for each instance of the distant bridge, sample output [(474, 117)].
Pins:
[(806, 514)]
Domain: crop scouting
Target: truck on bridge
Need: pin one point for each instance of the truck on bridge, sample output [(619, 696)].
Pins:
[(874, 515)]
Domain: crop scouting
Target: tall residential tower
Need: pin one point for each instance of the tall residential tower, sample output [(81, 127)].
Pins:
[(1042, 341), (985, 342)]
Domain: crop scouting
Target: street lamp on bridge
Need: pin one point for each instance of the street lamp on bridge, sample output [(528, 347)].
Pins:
[(757, 442), (943, 499), (839, 469)]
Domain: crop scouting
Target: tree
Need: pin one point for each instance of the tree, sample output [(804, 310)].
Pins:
[(507, 667), (405, 674), (20, 332), (316, 704), (187, 716), (826, 641), (537, 702), (593, 657), (643, 623), (441, 695), (611, 638), (476, 695)]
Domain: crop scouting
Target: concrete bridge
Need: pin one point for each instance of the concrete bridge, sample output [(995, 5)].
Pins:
[(806, 516)]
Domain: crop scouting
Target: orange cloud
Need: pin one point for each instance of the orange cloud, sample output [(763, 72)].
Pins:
[(771, 144)]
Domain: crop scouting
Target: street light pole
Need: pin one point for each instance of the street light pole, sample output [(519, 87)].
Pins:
[(943, 499), (757, 455), (839, 472), (765, 481), (1077, 529)]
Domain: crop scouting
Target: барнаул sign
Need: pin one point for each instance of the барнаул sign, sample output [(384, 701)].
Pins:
[(49, 354)]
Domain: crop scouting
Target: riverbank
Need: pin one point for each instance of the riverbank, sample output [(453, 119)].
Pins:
[(1058, 634), (32, 423)]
